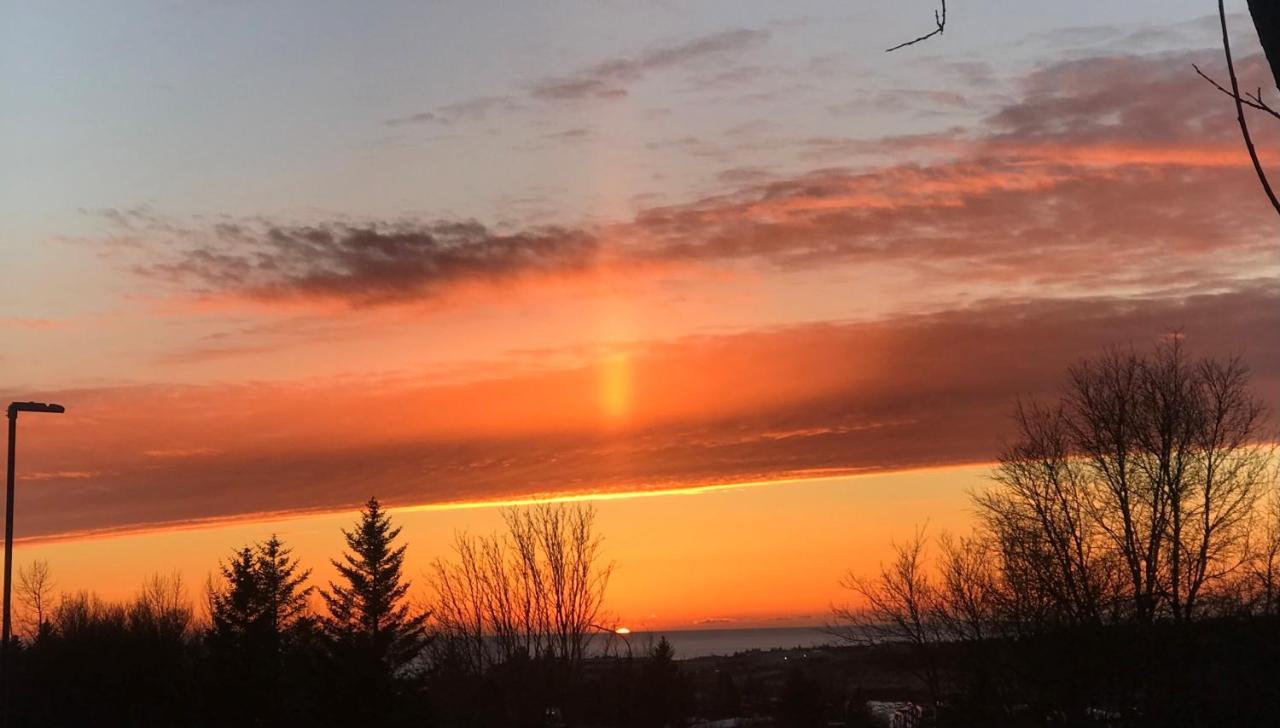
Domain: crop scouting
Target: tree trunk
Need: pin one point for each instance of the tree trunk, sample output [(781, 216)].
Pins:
[(1266, 19)]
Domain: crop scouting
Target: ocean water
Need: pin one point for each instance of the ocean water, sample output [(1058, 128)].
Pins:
[(690, 643)]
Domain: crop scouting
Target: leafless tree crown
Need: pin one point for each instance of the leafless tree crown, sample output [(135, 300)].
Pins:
[(536, 591), (1146, 493)]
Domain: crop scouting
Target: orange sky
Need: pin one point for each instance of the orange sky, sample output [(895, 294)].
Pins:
[(752, 555)]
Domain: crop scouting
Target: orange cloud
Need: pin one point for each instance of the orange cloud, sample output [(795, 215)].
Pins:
[(907, 391)]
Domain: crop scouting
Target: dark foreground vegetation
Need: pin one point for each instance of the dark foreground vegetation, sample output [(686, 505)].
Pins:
[(1125, 567), (1124, 571)]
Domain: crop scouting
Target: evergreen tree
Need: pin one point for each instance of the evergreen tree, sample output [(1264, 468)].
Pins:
[(255, 618), (236, 607), (370, 624), (663, 696), (284, 598), (262, 597)]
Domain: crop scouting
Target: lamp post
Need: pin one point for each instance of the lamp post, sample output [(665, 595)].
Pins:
[(14, 409)]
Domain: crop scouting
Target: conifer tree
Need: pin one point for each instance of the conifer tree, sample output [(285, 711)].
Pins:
[(263, 595), (256, 613), (284, 596), (369, 618), (236, 607)]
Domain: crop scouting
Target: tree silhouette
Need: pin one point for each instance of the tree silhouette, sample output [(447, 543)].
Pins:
[(254, 617), (236, 607), (663, 694), (1120, 542), (35, 594), (373, 633), (284, 596)]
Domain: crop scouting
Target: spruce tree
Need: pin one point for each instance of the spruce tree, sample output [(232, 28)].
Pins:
[(262, 597), (236, 607), (370, 621), (256, 613), (284, 598)]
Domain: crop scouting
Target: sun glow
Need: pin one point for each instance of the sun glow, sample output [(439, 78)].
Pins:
[(615, 386)]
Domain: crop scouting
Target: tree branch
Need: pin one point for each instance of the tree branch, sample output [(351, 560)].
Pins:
[(940, 23), (1252, 100), (1240, 104)]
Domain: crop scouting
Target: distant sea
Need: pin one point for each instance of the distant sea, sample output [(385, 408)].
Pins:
[(690, 643)]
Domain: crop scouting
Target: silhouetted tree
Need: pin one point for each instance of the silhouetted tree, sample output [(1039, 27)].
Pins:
[(284, 594), (537, 590), (522, 607), (235, 606), (34, 591), (663, 697), (375, 636), (255, 613), (900, 604), (1122, 528)]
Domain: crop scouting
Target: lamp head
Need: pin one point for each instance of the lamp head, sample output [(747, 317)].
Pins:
[(16, 407)]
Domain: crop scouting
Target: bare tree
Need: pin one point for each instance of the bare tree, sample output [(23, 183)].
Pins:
[(900, 604), (969, 595), (1039, 518), (35, 594), (162, 609), (1218, 496), (1133, 498), (1261, 590), (537, 590), (1127, 499)]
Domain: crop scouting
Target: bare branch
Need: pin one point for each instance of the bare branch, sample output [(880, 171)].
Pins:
[(1252, 100), (1240, 103), (940, 23)]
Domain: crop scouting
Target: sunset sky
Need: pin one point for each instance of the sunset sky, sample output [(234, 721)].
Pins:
[(769, 290)]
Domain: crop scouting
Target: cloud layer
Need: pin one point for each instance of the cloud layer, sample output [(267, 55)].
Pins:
[(1105, 172), (898, 393)]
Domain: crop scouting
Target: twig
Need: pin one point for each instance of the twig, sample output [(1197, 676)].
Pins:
[(1252, 100), (1240, 103), (939, 20)]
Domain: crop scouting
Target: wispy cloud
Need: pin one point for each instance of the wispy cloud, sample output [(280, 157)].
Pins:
[(1042, 191), (610, 78), (33, 324), (462, 112), (368, 264)]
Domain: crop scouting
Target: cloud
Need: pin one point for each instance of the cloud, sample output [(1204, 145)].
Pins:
[(570, 135), (610, 78), (59, 475), (33, 324), (422, 117), (1103, 174), (471, 110), (368, 264), (900, 392)]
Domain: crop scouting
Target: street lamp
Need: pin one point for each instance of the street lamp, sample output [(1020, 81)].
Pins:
[(14, 409)]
